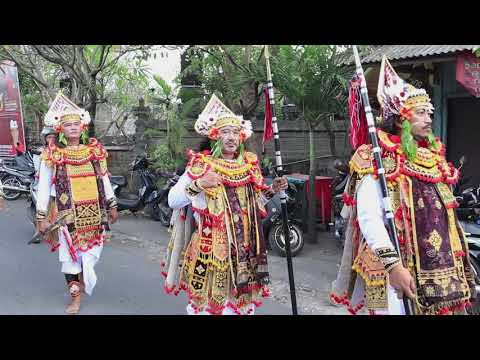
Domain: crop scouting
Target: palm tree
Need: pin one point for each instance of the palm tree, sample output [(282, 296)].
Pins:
[(311, 78), (176, 116)]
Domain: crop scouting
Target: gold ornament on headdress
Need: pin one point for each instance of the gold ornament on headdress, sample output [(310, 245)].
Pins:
[(396, 96), (63, 109), (217, 115)]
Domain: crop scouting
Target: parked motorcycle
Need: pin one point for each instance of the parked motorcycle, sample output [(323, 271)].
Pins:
[(469, 217), (148, 193), (160, 209), (273, 225), (18, 176), (468, 214), (338, 188)]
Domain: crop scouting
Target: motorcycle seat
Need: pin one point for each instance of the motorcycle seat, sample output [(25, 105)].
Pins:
[(22, 171), (128, 203), (341, 186), (118, 180)]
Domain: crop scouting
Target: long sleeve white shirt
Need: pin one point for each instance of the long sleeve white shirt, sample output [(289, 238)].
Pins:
[(370, 213), (179, 198), (371, 218)]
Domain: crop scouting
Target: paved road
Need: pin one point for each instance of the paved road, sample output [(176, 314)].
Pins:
[(129, 280), (314, 268)]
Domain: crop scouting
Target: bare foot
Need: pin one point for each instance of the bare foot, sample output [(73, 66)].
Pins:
[(75, 293), (74, 306)]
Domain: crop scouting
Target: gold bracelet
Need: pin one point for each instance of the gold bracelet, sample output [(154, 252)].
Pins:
[(193, 189), (41, 215), (112, 203), (389, 257)]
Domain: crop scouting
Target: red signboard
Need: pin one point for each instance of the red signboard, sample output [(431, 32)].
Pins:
[(323, 193), (11, 117), (468, 73)]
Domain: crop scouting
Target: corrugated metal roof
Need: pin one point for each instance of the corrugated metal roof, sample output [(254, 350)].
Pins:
[(398, 52)]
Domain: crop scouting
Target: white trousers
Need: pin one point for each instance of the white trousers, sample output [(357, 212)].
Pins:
[(85, 263)]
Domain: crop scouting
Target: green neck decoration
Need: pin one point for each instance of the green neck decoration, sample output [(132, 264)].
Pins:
[(217, 150), (409, 145), (240, 153), (84, 137), (432, 143), (62, 139)]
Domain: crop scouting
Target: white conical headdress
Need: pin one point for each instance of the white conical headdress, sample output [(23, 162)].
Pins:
[(395, 95), (216, 115), (61, 107)]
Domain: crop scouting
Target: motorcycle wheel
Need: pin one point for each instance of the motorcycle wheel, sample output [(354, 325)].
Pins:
[(475, 309), (276, 240), (11, 181), (161, 213)]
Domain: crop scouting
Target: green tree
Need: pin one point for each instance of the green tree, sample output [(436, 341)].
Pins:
[(125, 84), (171, 154), (236, 73), (312, 79), (84, 71)]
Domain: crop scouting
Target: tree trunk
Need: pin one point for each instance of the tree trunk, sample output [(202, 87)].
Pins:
[(333, 148), (92, 109), (312, 204), (331, 134), (169, 137)]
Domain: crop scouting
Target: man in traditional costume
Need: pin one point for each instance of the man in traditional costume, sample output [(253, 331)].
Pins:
[(223, 265), (432, 268), (48, 135), (74, 171)]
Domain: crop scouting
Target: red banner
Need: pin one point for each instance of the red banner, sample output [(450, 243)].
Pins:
[(12, 135), (267, 125), (468, 73)]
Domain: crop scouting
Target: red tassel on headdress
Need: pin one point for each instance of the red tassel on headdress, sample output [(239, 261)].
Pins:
[(358, 134)]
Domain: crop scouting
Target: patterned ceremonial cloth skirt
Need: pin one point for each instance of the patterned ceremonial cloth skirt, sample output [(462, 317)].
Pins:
[(85, 262)]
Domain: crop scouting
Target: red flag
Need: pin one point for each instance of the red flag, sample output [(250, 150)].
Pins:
[(267, 125)]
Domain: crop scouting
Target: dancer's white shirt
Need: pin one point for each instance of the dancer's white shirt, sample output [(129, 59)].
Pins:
[(178, 198), (85, 260), (371, 218)]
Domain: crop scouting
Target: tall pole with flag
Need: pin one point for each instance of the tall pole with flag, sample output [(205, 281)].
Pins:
[(270, 116), (380, 169)]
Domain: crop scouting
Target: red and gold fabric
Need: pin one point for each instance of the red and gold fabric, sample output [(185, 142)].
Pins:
[(80, 193), (225, 263), (432, 245)]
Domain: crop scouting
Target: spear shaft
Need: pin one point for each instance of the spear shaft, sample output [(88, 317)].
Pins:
[(381, 170), (280, 171)]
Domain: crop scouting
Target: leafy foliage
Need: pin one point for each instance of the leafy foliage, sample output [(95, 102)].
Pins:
[(89, 74), (162, 159), (236, 73), (311, 78), (171, 153)]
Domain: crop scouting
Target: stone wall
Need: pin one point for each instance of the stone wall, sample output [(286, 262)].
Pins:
[(294, 142)]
